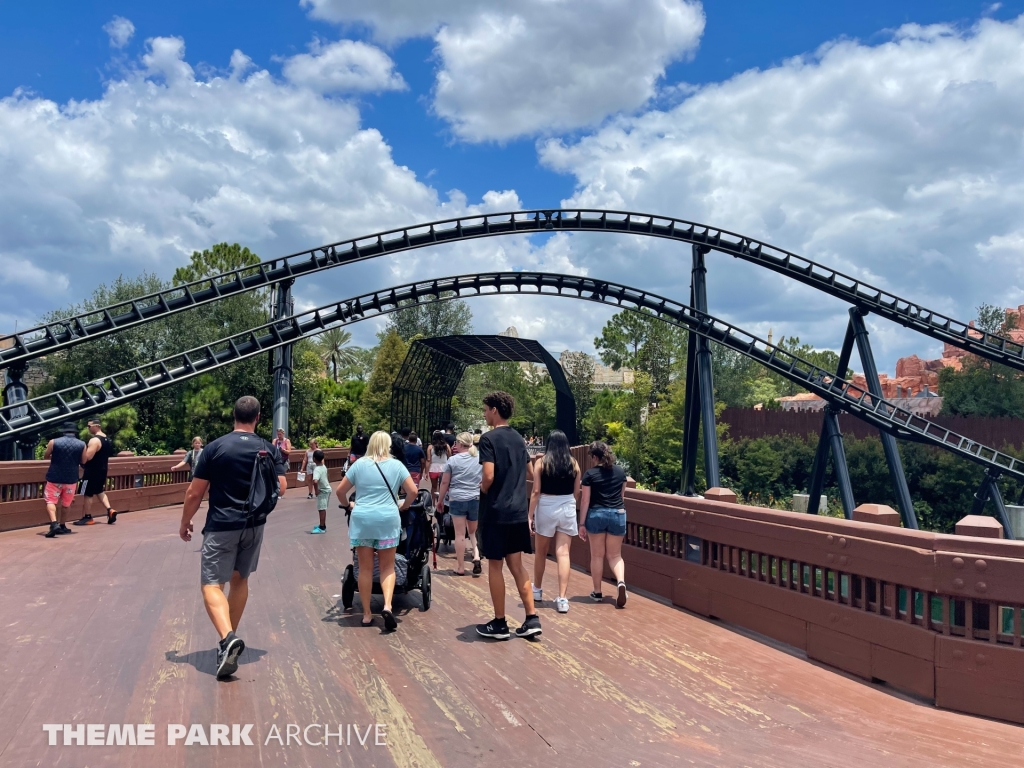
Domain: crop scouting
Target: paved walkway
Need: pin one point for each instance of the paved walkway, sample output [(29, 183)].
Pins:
[(107, 626)]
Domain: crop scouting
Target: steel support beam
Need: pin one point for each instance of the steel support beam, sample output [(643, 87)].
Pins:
[(989, 490), (16, 391), (889, 446), (705, 381), (283, 307), (691, 411), (839, 461), (817, 481)]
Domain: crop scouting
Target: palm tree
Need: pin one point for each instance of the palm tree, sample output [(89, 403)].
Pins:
[(334, 350)]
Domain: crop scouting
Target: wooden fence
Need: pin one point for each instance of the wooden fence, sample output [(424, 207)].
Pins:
[(746, 423), (133, 483)]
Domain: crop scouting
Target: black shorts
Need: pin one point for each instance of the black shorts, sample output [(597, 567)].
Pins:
[(93, 486), (498, 540)]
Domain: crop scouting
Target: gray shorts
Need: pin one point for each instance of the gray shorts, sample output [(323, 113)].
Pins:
[(225, 552)]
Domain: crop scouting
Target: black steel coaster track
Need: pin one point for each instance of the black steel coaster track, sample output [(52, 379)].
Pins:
[(49, 337), (75, 402)]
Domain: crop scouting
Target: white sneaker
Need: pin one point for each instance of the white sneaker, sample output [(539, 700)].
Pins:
[(537, 594), (561, 605)]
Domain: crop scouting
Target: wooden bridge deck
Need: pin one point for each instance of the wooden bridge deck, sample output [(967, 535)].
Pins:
[(107, 626)]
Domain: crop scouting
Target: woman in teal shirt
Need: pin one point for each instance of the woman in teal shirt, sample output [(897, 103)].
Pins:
[(376, 521)]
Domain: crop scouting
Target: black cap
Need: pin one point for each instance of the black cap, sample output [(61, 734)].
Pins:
[(69, 428)]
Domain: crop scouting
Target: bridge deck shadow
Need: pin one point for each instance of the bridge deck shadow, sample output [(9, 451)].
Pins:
[(108, 627)]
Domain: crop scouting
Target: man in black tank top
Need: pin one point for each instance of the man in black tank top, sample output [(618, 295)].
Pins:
[(98, 451)]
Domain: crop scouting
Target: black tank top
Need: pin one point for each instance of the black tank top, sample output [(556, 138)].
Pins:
[(557, 486), (97, 465)]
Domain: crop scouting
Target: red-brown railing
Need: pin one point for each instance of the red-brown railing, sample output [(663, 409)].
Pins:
[(133, 483), (936, 615)]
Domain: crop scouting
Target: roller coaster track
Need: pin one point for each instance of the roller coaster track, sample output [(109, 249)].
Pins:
[(50, 337), (110, 391)]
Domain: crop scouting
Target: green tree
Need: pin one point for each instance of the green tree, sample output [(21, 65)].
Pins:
[(643, 342), (451, 317), (375, 405), (578, 368), (335, 352)]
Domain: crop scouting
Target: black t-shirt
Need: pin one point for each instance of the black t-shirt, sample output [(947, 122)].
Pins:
[(413, 456), (449, 438), (506, 499), (227, 464), (605, 485), (359, 444)]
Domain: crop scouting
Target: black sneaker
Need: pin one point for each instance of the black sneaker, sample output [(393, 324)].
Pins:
[(620, 600), (111, 516), (85, 520), (530, 627), (597, 597), (63, 530), (54, 530), (231, 648), (477, 570), (496, 628)]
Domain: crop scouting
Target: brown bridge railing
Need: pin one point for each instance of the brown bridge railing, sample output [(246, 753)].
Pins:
[(133, 483), (935, 615)]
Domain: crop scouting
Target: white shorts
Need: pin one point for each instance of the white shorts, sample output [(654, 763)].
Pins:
[(556, 513)]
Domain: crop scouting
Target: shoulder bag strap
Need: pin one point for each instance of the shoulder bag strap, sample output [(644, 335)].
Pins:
[(387, 484)]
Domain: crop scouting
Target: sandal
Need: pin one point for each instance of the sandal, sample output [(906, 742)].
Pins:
[(366, 623), (390, 625), (458, 573)]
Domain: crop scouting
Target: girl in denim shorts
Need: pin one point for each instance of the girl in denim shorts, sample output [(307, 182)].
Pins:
[(603, 519)]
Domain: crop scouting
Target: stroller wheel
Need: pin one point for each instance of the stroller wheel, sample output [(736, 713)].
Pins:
[(425, 586), (348, 587)]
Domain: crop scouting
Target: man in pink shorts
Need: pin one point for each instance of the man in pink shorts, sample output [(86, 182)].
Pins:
[(66, 455)]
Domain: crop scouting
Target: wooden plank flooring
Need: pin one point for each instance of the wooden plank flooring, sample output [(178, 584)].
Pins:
[(107, 626)]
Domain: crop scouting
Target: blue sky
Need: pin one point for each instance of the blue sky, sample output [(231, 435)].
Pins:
[(456, 137)]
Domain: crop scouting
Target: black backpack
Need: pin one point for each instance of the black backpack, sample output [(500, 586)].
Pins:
[(264, 489)]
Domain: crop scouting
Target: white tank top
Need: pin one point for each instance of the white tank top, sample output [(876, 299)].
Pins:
[(437, 461)]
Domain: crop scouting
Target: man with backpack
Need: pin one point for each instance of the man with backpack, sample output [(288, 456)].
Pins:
[(244, 475)]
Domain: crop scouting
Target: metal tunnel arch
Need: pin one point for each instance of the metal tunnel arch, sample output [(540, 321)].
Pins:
[(422, 394)]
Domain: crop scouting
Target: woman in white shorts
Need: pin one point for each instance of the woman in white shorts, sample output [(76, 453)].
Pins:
[(556, 488)]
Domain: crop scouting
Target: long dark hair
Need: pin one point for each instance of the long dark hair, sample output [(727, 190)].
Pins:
[(398, 447), (602, 453), (558, 461), (439, 444)]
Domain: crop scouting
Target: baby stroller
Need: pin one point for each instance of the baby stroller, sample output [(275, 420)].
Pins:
[(412, 571)]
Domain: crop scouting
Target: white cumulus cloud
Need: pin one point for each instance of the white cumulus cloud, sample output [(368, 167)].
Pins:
[(343, 66), (509, 70), (900, 163), (120, 31)]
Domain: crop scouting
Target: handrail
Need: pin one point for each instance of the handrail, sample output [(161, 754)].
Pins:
[(49, 337), (936, 615), (133, 483)]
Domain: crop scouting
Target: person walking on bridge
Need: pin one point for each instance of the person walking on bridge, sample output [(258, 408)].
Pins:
[(556, 486), (504, 515), (461, 484), (375, 524), (231, 538), (98, 451), (603, 519), (66, 454), (357, 445)]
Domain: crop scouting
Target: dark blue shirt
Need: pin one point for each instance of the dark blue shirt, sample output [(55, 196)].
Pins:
[(413, 456), (65, 459)]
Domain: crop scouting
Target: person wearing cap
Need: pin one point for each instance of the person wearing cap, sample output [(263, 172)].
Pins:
[(98, 451), (66, 454)]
